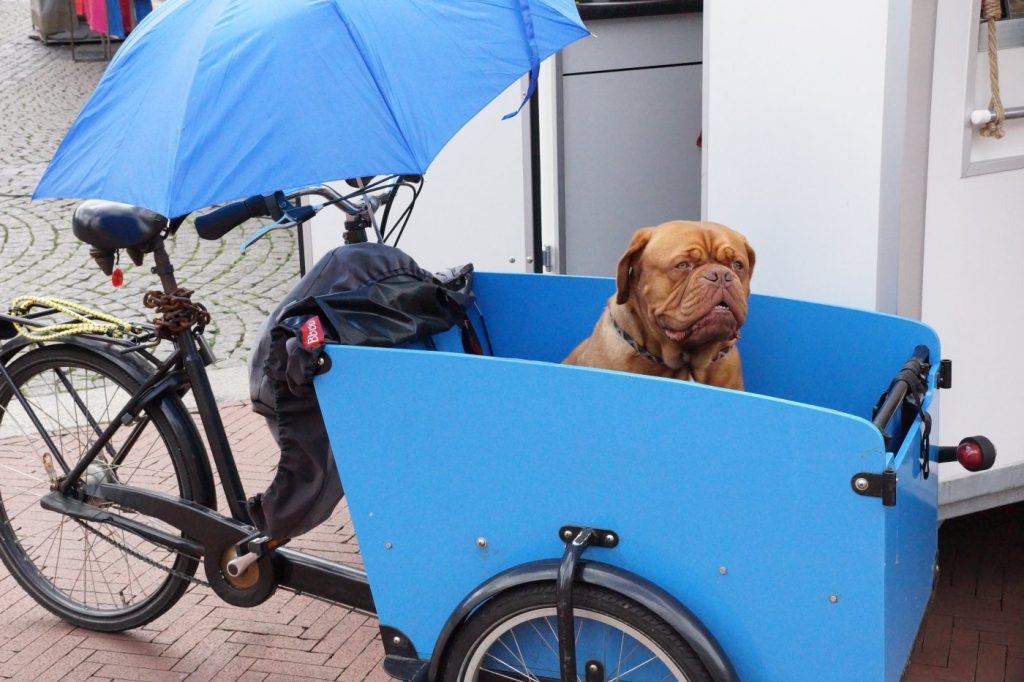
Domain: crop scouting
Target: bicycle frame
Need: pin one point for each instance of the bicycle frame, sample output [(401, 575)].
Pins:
[(206, 533)]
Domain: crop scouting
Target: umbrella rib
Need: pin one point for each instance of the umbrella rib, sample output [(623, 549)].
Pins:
[(357, 40), (176, 152)]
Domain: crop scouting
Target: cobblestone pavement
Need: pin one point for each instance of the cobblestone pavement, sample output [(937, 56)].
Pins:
[(41, 91)]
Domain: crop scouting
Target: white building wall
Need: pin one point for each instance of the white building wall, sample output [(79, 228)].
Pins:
[(795, 138), (974, 246)]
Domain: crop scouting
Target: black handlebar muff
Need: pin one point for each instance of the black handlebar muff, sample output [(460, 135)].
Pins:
[(218, 223)]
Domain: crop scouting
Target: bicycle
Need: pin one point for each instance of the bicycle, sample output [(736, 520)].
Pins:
[(100, 452)]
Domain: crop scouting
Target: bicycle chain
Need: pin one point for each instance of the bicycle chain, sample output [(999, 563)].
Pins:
[(143, 558), (191, 578)]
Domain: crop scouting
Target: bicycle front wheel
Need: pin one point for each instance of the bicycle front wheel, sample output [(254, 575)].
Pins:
[(90, 574), (515, 637)]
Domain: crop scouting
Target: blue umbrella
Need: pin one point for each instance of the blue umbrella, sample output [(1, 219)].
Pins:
[(212, 100)]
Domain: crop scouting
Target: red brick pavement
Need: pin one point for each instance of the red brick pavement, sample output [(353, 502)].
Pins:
[(973, 631), (974, 628), (289, 637)]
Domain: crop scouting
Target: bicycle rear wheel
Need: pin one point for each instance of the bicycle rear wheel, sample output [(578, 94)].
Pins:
[(90, 574)]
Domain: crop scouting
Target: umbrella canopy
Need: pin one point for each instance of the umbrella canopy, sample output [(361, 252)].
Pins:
[(212, 100)]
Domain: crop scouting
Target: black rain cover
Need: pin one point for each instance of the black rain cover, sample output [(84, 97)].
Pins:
[(364, 294)]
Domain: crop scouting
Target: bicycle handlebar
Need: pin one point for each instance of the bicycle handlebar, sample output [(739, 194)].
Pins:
[(218, 223), (281, 207)]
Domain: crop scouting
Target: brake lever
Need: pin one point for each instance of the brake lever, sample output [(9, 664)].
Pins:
[(291, 217)]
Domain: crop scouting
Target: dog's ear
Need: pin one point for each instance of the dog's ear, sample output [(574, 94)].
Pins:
[(751, 258), (622, 277)]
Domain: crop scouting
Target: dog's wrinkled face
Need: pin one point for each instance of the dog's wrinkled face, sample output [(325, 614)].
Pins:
[(688, 280)]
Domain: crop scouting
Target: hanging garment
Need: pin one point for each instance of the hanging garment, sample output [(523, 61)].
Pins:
[(111, 17), (363, 294), (96, 14), (119, 18), (142, 10)]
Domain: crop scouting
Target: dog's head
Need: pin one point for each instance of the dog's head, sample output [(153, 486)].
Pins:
[(687, 281)]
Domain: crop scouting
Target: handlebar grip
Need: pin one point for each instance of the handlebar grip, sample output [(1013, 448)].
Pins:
[(218, 223)]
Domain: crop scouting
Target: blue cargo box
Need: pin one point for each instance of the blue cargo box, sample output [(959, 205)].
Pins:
[(739, 504)]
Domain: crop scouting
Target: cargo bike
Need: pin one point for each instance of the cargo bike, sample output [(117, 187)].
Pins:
[(517, 518)]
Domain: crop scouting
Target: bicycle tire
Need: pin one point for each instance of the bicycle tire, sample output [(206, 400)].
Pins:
[(490, 635), (68, 582)]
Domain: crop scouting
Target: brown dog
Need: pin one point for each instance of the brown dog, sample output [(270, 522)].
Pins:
[(681, 298)]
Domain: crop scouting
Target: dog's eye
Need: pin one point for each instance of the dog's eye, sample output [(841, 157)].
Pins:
[(737, 265), (684, 265)]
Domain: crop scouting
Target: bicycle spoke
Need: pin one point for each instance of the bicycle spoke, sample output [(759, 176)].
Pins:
[(504, 675), (49, 537), (128, 568), (622, 644), (510, 667), (22, 473), (113, 600), (81, 405), (636, 667), (544, 639), (519, 650)]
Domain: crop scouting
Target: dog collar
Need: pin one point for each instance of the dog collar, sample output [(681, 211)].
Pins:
[(656, 359), (643, 352)]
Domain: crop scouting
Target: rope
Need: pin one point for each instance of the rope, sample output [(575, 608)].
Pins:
[(88, 321), (991, 11)]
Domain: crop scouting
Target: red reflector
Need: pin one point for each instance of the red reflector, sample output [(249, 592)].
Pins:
[(117, 278), (969, 455)]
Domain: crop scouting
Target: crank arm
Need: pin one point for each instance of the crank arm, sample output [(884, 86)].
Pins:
[(69, 506)]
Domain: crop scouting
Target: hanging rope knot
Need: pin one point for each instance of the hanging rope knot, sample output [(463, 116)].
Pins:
[(178, 310), (992, 11)]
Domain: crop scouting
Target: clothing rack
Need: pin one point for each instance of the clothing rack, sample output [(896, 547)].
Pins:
[(108, 18)]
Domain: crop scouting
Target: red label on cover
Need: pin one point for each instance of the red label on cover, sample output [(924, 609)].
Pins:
[(312, 333)]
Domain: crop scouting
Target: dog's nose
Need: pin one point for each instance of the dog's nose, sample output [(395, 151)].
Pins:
[(718, 274)]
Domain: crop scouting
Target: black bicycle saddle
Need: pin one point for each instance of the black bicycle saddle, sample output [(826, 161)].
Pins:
[(110, 225)]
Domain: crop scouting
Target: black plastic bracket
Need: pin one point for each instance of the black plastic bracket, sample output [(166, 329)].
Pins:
[(396, 643), (601, 537), (945, 376), (876, 485)]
